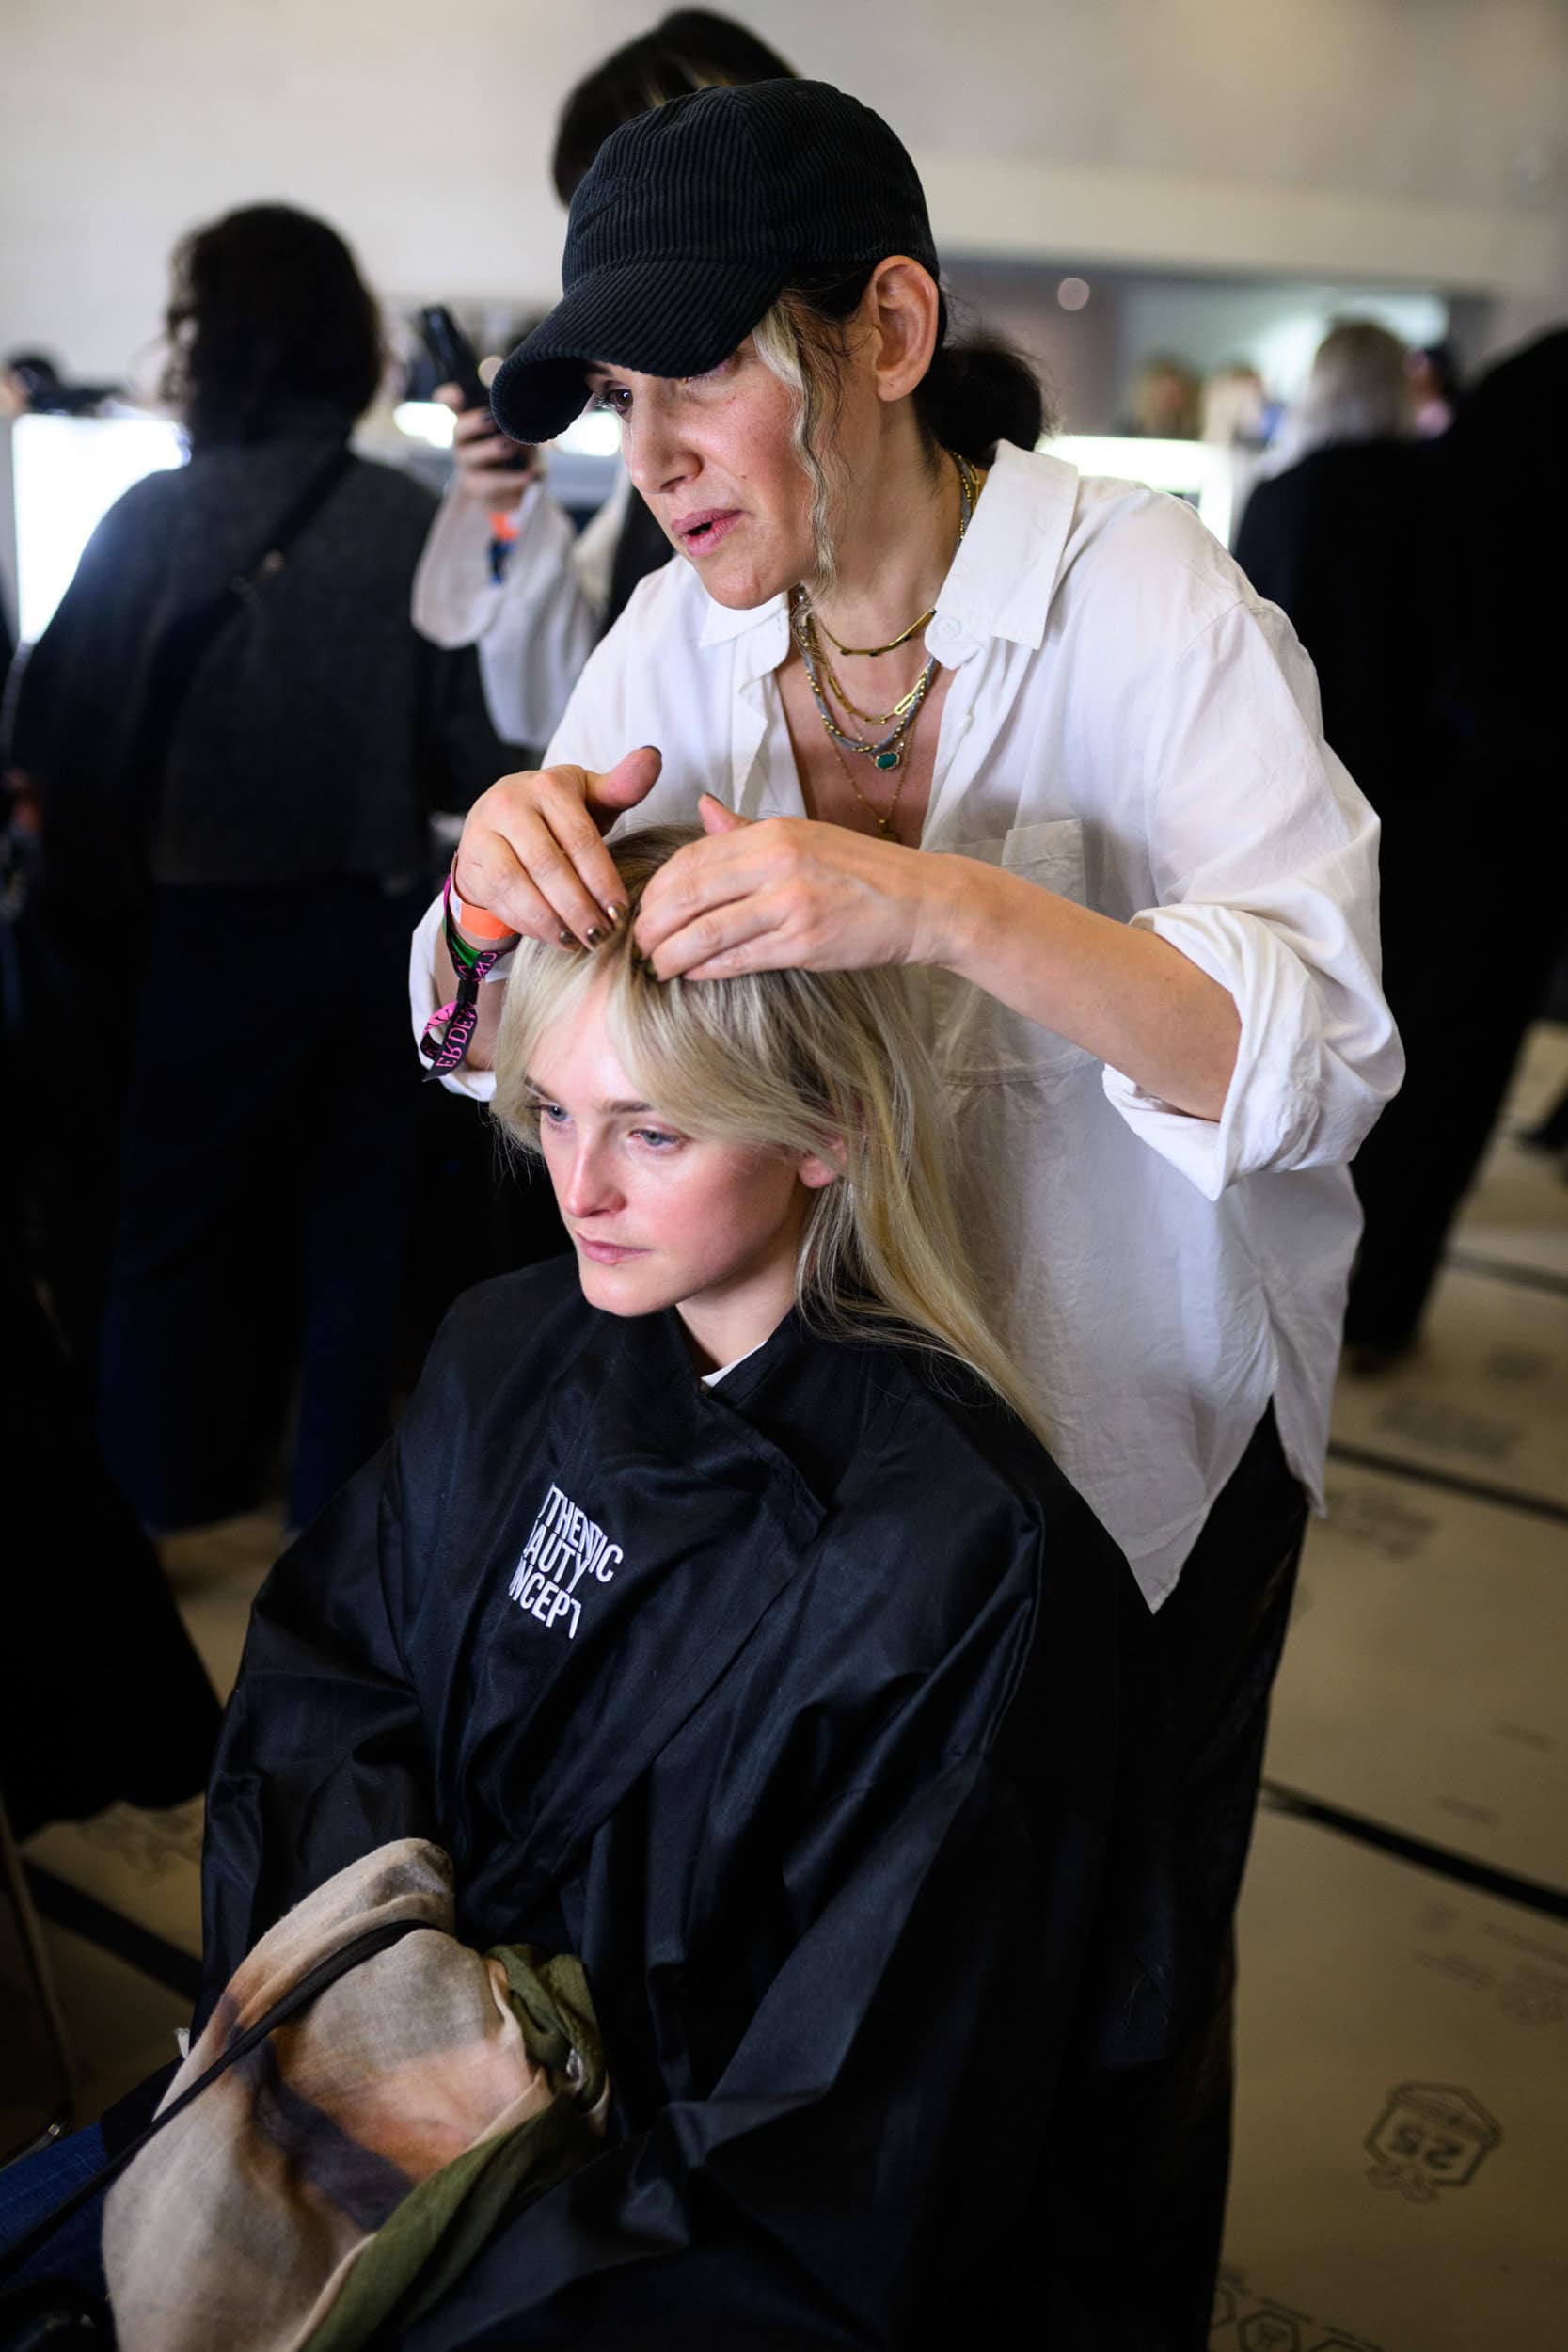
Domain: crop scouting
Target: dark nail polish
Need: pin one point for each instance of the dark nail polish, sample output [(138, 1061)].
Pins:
[(566, 939), (616, 915), (593, 935)]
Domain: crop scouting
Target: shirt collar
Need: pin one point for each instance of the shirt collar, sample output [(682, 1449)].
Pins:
[(722, 622), (1005, 573), (1001, 580)]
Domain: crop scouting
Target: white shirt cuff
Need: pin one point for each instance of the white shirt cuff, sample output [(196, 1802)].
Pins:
[(1271, 1105)]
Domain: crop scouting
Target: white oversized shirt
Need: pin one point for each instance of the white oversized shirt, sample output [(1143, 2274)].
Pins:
[(1129, 725)]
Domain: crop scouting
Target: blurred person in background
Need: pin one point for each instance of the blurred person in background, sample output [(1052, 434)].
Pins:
[(1418, 591), (1340, 540), (233, 735), (31, 384), (1166, 402), (1360, 390), (1504, 701), (1336, 539), (1235, 407), (1435, 388), (503, 567)]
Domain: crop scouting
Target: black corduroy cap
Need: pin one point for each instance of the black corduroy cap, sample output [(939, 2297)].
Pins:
[(691, 223)]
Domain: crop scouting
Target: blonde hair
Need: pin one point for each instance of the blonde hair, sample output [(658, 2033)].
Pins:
[(785, 344), (1359, 388), (829, 1063)]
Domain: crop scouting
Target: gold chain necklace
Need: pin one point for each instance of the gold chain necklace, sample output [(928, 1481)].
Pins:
[(887, 754), (892, 752), (970, 480), (869, 653), (835, 685)]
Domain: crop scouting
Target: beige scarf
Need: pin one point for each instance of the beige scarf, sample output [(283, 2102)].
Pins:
[(351, 2166)]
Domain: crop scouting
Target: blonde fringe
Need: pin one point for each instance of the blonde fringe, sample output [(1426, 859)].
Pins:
[(829, 1063)]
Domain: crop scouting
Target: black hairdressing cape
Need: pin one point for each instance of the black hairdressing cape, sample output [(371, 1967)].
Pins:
[(789, 1704)]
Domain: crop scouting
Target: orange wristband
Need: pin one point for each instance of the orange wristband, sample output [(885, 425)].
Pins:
[(478, 922)]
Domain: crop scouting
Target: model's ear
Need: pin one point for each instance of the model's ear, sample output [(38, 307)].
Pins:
[(815, 1173)]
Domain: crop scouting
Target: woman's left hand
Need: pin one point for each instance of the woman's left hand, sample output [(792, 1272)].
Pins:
[(783, 893)]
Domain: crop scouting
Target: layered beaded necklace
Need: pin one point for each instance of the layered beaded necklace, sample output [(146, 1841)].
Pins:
[(888, 753)]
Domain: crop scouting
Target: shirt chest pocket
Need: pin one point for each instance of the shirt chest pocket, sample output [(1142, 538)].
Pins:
[(977, 1039)]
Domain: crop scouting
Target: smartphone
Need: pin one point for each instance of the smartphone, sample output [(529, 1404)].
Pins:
[(457, 362)]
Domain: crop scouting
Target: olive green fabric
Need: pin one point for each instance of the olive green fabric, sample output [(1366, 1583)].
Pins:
[(417, 2256)]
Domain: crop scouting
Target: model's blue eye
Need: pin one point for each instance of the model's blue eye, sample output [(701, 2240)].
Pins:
[(551, 1113), (655, 1136)]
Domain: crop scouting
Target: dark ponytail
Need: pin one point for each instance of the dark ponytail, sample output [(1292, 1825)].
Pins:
[(977, 391)]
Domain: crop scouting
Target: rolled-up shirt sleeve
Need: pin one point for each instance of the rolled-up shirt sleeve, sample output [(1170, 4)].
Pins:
[(1263, 855)]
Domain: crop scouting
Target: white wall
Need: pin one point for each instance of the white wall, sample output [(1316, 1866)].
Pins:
[(1414, 141)]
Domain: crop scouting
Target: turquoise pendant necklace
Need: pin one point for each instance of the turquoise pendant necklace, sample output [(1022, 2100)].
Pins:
[(888, 754)]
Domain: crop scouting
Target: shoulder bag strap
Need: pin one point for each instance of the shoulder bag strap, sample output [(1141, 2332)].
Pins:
[(178, 653), (315, 1980)]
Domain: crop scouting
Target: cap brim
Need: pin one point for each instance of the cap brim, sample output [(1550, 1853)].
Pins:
[(675, 315)]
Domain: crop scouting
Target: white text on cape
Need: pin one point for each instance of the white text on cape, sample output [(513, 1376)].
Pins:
[(565, 1547)]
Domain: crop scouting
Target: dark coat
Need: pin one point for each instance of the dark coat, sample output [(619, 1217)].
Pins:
[(319, 728), (102, 1694), (1422, 578), (1343, 541), (791, 1706)]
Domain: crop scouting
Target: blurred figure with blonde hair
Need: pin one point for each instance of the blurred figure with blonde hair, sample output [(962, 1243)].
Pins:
[(1360, 390), (1164, 402)]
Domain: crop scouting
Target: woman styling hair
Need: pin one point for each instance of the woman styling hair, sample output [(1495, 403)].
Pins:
[(716, 1614), (1035, 735)]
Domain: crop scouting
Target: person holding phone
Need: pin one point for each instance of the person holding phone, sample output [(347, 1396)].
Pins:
[(939, 702), (504, 567)]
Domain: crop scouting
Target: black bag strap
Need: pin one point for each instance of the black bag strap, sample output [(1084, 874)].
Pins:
[(178, 652), (315, 1980)]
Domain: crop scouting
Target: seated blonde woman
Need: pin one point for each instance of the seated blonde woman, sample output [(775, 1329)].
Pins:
[(718, 1611)]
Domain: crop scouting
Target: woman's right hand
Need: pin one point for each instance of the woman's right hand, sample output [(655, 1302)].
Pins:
[(481, 454), (531, 850)]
